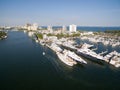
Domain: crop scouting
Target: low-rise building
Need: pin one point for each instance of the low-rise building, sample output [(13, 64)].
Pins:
[(87, 33)]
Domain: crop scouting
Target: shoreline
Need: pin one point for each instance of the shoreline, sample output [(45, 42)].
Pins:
[(3, 35), (70, 47)]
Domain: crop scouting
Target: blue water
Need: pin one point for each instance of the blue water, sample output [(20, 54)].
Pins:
[(102, 29), (88, 28), (23, 67), (100, 46)]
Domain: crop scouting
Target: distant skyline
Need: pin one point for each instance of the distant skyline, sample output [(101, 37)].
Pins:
[(60, 12)]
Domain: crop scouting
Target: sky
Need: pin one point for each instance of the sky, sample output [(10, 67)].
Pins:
[(60, 12)]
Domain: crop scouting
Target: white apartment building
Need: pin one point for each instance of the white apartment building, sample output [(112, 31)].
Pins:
[(35, 26), (50, 29), (72, 28), (31, 27), (64, 28)]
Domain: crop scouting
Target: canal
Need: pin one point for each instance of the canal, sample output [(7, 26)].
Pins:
[(24, 67)]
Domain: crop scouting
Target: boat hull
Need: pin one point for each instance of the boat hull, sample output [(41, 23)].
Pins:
[(94, 59)]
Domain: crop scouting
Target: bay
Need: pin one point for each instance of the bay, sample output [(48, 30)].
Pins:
[(23, 66)]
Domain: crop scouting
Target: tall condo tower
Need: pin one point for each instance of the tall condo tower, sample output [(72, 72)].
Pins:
[(72, 28), (50, 29), (64, 29)]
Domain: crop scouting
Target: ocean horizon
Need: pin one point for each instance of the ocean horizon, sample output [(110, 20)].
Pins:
[(23, 66), (89, 28)]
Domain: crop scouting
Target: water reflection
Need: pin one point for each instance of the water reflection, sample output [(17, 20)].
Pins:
[(23, 66)]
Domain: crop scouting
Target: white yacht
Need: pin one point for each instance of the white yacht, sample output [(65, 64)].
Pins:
[(103, 52), (55, 47), (76, 57), (86, 52), (36, 41), (69, 45), (115, 61), (113, 58), (65, 59)]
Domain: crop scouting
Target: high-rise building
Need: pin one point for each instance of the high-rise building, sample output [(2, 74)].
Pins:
[(64, 29), (72, 28), (31, 27), (50, 29), (35, 26)]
